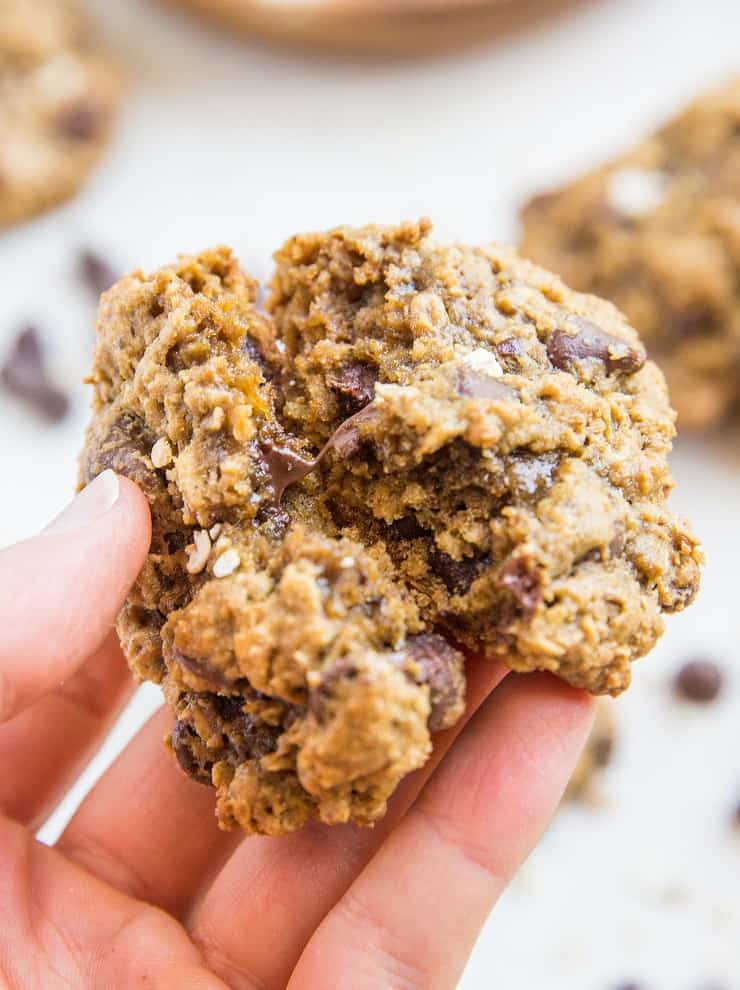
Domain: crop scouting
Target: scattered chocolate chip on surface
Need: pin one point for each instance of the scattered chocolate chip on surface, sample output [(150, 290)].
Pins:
[(97, 273), (699, 681), (23, 374)]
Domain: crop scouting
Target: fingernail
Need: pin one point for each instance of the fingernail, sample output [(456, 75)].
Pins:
[(93, 501)]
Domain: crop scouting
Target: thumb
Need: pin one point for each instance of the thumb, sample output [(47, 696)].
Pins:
[(61, 590)]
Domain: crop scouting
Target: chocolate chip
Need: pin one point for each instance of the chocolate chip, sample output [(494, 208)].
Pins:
[(24, 375), (252, 738), (228, 706), (80, 121), (96, 272), (354, 386), (201, 668), (591, 342), (441, 667), (407, 528), (340, 670), (476, 384), (524, 583), (456, 575), (284, 466), (602, 750), (184, 740), (699, 680), (629, 986), (508, 351)]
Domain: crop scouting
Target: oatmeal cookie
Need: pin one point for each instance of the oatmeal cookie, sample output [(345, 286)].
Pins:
[(417, 445), (658, 232), (57, 101)]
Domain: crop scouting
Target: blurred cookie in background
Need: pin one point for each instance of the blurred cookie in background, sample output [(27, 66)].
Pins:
[(658, 232), (597, 754), (57, 103), (378, 26)]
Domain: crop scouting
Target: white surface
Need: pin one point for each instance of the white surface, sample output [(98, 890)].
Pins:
[(222, 141)]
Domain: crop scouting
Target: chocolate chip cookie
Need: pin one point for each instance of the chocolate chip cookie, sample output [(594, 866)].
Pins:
[(658, 232), (57, 101), (418, 447)]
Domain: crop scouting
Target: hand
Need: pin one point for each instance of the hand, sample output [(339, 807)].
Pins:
[(142, 889)]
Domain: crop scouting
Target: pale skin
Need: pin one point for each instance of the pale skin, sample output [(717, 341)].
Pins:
[(142, 889)]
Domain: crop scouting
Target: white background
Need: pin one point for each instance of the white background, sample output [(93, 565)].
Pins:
[(223, 141)]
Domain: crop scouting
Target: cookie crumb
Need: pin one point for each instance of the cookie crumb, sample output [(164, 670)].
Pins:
[(198, 557), (227, 563)]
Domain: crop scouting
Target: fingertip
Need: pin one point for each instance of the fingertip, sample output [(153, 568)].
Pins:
[(135, 517)]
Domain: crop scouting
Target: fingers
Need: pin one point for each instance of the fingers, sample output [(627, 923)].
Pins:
[(64, 928), (60, 591), (412, 917), (294, 882), (148, 829), (58, 734)]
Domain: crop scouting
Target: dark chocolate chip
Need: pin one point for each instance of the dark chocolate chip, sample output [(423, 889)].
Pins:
[(508, 351), (629, 986), (407, 528), (252, 738), (97, 273), (284, 466), (80, 121), (228, 706), (354, 387), (602, 750), (441, 667), (184, 740), (201, 668), (342, 669), (24, 375), (693, 322), (456, 575), (524, 583), (476, 384), (699, 680), (591, 342)]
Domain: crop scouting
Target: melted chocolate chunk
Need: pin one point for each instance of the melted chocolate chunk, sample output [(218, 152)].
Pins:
[(591, 342), (440, 666), (457, 575), (476, 384), (523, 583), (184, 740), (80, 122), (201, 668), (97, 273), (24, 375), (228, 706), (354, 387), (284, 466)]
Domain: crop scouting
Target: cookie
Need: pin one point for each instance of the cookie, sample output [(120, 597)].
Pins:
[(597, 755), (378, 26), (417, 448), (57, 102), (658, 232)]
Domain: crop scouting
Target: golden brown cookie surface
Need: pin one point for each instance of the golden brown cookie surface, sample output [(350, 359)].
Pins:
[(658, 233), (417, 438)]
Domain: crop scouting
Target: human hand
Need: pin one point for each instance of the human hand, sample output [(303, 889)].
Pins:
[(142, 889)]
